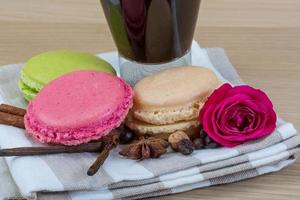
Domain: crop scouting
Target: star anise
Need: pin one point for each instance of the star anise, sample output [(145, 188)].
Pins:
[(145, 148)]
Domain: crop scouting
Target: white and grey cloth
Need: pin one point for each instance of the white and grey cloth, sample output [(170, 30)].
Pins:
[(63, 176)]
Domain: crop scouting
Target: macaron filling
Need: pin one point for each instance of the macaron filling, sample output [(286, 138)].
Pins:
[(28, 92), (30, 83)]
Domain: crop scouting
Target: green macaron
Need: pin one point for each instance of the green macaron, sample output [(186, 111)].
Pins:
[(45, 67)]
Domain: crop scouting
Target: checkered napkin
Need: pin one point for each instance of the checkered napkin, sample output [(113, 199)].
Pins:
[(64, 176)]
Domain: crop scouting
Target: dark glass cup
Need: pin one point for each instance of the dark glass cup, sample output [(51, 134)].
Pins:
[(152, 32)]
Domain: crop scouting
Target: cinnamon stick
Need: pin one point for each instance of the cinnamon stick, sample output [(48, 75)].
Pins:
[(109, 142), (11, 119), (99, 162), (12, 110), (31, 151)]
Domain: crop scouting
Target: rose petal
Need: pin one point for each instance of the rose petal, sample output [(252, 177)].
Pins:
[(210, 130), (267, 128), (214, 98), (229, 113), (228, 104), (233, 115), (220, 93), (242, 118), (256, 94)]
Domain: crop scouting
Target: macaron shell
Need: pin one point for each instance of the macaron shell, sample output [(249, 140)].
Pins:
[(45, 67), (174, 87), (68, 61), (78, 107)]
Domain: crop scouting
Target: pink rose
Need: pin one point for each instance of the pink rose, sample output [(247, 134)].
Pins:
[(233, 115)]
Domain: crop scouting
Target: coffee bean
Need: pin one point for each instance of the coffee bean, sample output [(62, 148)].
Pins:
[(203, 134), (126, 135), (185, 147), (198, 143), (210, 143), (207, 140)]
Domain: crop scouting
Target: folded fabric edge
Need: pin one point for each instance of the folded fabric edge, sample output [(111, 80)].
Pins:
[(219, 59), (266, 147), (234, 162), (191, 179), (239, 176), (160, 189), (203, 169), (10, 72), (198, 175), (8, 186)]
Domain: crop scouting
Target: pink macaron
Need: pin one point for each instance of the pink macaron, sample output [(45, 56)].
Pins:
[(78, 107)]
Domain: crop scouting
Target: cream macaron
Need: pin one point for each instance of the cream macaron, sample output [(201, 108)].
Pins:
[(171, 99)]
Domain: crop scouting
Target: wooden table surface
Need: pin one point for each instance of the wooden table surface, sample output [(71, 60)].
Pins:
[(261, 37)]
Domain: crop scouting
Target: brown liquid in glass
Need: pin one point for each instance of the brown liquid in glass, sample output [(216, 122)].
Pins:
[(152, 31)]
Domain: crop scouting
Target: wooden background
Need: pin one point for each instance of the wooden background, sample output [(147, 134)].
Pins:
[(261, 37)]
